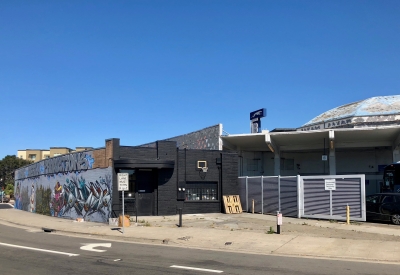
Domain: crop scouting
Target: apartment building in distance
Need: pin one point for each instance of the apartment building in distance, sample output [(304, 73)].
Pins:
[(41, 154)]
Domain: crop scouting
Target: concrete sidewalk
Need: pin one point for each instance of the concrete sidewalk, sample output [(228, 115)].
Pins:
[(249, 233)]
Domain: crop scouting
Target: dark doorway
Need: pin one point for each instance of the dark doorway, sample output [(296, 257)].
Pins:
[(146, 188)]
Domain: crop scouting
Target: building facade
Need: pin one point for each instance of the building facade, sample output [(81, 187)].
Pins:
[(356, 138), (162, 178)]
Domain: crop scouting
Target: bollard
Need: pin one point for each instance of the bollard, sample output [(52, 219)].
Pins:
[(347, 214), (180, 217), (253, 207), (278, 222)]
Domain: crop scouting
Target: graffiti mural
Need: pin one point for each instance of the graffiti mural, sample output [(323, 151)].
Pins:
[(84, 194)]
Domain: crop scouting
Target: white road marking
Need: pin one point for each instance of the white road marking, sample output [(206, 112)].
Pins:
[(91, 246), (195, 268), (39, 249)]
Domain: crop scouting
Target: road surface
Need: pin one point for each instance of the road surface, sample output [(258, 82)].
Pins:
[(33, 251)]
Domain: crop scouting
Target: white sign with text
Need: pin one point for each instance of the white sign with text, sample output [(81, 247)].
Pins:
[(123, 182), (330, 184)]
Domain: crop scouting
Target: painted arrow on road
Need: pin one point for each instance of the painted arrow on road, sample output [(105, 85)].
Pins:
[(91, 247)]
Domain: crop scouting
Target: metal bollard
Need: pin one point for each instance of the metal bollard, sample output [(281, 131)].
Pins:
[(180, 217), (278, 222)]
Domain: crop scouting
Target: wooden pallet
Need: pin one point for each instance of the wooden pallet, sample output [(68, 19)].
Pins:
[(232, 204)]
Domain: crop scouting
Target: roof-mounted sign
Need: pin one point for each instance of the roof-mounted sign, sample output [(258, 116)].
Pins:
[(255, 120), (258, 114)]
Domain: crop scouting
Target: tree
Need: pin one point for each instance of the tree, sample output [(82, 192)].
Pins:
[(9, 190), (8, 165)]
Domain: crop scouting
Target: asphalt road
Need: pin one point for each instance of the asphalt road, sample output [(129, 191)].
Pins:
[(62, 254)]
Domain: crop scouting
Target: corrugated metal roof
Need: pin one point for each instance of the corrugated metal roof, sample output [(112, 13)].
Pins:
[(374, 106)]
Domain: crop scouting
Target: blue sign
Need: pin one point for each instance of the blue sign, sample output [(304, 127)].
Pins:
[(258, 114)]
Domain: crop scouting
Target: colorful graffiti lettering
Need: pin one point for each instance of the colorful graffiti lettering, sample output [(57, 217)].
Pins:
[(87, 199), (85, 194)]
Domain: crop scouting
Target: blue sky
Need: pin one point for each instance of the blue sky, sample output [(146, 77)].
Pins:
[(74, 73)]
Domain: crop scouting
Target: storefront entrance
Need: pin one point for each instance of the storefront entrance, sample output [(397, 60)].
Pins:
[(141, 197), (146, 190)]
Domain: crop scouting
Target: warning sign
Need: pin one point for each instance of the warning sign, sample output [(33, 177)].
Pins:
[(123, 182), (330, 184)]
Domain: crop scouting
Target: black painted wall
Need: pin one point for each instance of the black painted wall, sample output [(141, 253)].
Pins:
[(222, 169)]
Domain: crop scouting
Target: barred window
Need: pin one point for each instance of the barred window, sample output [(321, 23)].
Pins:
[(204, 191)]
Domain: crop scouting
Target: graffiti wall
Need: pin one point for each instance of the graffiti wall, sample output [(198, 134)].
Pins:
[(84, 193)]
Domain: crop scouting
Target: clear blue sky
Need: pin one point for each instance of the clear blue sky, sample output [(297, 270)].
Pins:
[(74, 73)]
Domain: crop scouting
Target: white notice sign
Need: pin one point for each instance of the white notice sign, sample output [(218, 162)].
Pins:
[(123, 182), (330, 184)]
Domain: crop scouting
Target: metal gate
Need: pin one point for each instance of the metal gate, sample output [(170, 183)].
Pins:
[(318, 200), (270, 194), (322, 197)]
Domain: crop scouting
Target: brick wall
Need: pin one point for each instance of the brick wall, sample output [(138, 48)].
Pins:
[(99, 156)]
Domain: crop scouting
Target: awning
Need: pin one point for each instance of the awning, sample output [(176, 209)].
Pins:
[(133, 163)]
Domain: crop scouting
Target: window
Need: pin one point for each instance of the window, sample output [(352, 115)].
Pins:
[(372, 199), (201, 191), (388, 199), (252, 164), (32, 156), (287, 164), (57, 154)]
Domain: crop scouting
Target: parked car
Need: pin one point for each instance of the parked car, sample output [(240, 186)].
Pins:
[(5, 199), (384, 207)]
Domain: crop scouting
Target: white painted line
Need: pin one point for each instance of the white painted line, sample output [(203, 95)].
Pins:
[(39, 249), (195, 268), (91, 247)]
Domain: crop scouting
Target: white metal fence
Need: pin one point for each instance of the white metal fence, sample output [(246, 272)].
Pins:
[(323, 197)]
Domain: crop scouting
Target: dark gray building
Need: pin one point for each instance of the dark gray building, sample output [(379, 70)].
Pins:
[(162, 179)]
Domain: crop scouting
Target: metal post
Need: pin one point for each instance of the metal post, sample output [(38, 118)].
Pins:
[(136, 205), (180, 217), (123, 212), (247, 196), (279, 193), (347, 214), (278, 222), (299, 192), (262, 195), (330, 202)]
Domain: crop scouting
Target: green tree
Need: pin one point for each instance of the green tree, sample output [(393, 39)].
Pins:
[(9, 189), (8, 165)]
